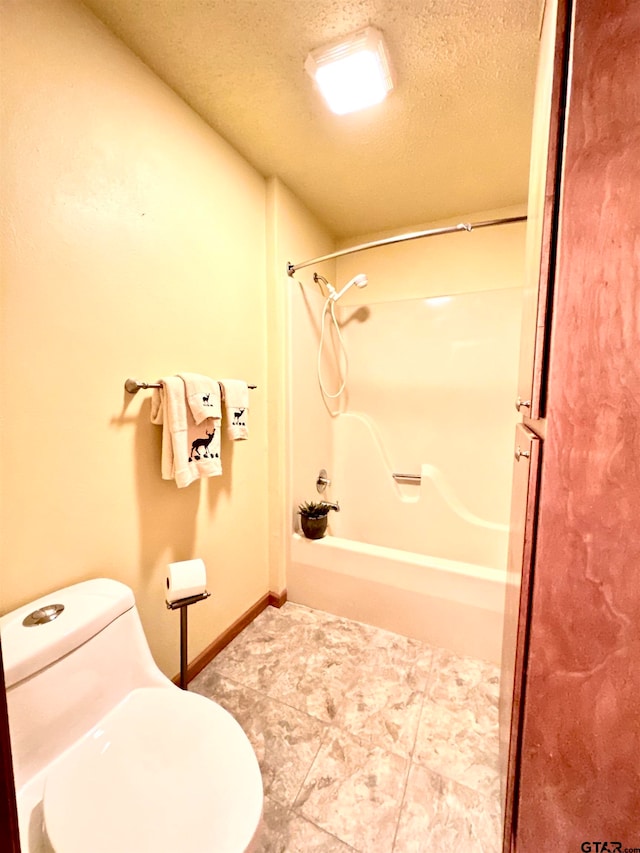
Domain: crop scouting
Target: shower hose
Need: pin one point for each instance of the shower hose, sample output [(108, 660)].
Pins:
[(329, 304)]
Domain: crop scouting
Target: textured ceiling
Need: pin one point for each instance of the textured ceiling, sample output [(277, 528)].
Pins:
[(453, 137)]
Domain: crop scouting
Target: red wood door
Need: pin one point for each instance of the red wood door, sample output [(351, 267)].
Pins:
[(521, 538), (579, 762), (9, 840)]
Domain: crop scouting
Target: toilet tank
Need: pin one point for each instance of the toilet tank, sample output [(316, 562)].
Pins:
[(63, 676)]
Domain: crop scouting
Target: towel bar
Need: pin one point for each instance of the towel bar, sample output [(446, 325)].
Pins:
[(132, 386)]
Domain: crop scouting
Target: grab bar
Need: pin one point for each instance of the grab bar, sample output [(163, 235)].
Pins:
[(410, 478)]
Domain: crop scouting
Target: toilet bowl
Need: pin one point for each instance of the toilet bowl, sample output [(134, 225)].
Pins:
[(158, 756), (108, 754)]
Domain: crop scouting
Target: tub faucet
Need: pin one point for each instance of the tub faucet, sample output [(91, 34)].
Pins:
[(331, 505)]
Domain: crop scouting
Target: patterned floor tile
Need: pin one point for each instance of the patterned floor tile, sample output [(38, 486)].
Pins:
[(440, 816), (363, 736), (457, 745), (283, 831), (462, 683), (284, 740), (383, 710), (354, 792), (266, 649)]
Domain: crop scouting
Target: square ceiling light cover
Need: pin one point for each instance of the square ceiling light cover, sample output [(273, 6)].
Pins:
[(352, 73)]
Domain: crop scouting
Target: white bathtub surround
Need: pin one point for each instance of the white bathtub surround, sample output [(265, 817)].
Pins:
[(352, 728), (425, 517), (456, 605), (436, 378), (431, 383)]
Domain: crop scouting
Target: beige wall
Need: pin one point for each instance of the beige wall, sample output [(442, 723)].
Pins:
[(133, 243), (300, 442)]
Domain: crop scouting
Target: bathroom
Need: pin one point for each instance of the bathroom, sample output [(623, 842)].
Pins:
[(137, 241)]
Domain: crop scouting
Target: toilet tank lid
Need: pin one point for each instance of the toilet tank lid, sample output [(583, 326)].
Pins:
[(88, 608)]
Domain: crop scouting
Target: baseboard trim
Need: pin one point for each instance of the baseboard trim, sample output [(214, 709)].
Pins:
[(272, 599), (277, 600)]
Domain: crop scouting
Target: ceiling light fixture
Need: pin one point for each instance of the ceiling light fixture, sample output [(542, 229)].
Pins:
[(352, 73)]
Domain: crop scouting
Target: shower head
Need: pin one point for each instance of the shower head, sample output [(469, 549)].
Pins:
[(359, 280)]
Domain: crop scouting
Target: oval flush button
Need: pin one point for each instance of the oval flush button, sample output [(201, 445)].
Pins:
[(43, 615)]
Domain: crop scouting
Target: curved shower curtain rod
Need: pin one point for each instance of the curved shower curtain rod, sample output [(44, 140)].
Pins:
[(463, 226)]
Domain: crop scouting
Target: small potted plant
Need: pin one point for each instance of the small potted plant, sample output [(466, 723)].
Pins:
[(313, 517)]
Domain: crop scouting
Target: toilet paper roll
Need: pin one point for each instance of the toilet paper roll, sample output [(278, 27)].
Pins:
[(186, 578)]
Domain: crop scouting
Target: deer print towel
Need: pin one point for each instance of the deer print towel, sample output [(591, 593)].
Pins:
[(236, 403), (203, 397), (188, 450)]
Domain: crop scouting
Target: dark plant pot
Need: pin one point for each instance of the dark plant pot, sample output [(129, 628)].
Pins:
[(314, 528)]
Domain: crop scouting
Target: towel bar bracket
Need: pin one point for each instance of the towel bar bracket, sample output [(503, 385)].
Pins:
[(132, 386)]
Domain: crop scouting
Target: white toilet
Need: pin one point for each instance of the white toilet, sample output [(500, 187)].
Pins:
[(109, 756)]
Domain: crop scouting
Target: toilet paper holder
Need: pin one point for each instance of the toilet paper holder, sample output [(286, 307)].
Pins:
[(181, 604)]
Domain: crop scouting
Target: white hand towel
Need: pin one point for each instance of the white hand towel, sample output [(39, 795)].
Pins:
[(236, 403), (203, 396), (171, 388), (186, 453), (203, 403)]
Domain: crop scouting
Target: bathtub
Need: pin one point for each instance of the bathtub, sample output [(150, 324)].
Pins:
[(455, 605)]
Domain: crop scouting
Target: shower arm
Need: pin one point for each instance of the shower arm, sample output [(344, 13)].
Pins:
[(399, 238)]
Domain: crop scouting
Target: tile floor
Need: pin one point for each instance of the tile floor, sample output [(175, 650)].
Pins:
[(367, 741)]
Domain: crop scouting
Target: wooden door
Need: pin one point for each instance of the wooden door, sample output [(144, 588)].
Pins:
[(521, 538), (579, 758), (9, 841)]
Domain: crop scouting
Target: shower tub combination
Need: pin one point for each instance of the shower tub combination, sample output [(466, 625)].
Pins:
[(423, 556), (451, 601), (454, 605)]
